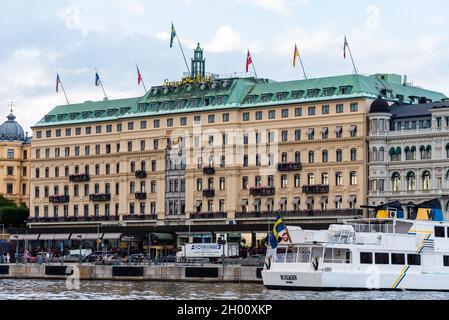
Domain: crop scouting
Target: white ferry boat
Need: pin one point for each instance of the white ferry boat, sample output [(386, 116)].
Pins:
[(385, 253)]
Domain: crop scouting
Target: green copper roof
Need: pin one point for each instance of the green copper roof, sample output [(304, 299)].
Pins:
[(238, 93)]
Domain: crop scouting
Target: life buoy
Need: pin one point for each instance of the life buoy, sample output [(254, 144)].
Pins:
[(285, 237)]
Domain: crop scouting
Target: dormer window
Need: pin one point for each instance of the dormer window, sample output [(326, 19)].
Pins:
[(111, 112), (328, 92), (85, 115), (280, 95), (48, 118), (72, 116), (124, 110), (98, 113), (250, 99), (345, 89), (387, 93), (219, 100), (312, 93), (61, 117), (297, 94), (180, 103), (265, 97)]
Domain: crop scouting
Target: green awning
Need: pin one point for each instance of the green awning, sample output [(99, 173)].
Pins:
[(392, 151), (447, 146), (398, 150), (407, 149), (413, 149), (422, 148), (429, 147)]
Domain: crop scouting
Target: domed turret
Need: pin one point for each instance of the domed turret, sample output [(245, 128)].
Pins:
[(380, 106), (11, 130)]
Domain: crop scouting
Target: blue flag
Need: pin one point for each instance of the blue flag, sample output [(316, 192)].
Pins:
[(97, 79), (278, 228), (173, 35)]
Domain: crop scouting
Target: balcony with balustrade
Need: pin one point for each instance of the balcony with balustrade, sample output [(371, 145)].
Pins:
[(315, 189)]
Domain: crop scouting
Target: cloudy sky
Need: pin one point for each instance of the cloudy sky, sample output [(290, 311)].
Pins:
[(40, 38)]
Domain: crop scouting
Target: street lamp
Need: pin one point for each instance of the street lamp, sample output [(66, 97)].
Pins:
[(80, 245)]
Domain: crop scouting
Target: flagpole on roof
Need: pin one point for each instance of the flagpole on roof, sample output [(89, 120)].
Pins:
[(346, 45), (300, 60), (59, 82), (101, 83), (252, 63), (180, 46), (141, 78)]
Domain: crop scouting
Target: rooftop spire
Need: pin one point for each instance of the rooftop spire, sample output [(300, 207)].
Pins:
[(198, 63)]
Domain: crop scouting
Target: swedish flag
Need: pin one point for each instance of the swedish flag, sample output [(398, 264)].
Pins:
[(279, 226), (173, 35)]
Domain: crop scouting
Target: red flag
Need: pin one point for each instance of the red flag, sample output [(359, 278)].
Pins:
[(139, 77), (249, 61)]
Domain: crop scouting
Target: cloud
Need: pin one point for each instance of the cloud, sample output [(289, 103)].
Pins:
[(225, 40), (132, 6), (71, 17), (282, 7)]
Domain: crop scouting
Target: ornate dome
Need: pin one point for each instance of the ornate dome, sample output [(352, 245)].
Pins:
[(11, 130), (380, 106)]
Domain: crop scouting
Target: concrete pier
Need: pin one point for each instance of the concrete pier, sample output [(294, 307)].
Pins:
[(186, 273)]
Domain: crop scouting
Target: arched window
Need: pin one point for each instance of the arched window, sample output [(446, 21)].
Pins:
[(284, 157), (381, 154), (411, 181), (407, 153), (392, 154), (298, 157), (143, 166), (133, 167), (108, 168), (398, 154), (396, 181), (375, 155), (426, 180), (413, 153)]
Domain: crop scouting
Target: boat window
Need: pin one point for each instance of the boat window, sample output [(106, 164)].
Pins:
[(304, 255), (446, 261), (317, 253), (398, 258), (414, 259), (336, 255), (366, 257), (280, 255), (291, 255), (381, 258), (440, 232)]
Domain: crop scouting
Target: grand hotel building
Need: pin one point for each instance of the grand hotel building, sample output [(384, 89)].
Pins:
[(215, 155)]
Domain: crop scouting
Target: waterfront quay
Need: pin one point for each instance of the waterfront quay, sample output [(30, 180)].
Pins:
[(184, 273)]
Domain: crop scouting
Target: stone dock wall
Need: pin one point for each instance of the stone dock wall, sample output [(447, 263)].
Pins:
[(232, 274)]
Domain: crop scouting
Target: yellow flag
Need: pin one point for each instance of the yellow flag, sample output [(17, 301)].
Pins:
[(295, 55)]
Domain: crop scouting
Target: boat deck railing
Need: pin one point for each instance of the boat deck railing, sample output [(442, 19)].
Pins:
[(372, 228)]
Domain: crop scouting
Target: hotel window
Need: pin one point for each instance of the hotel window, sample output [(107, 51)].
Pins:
[(97, 149), (46, 192), (312, 111), (339, 132), (396, 182), (133, 167), (265, 97), (280, 96), (270, 136), (130, 126), (284, 157), (76, 190), (246, 116), (311, 179), (47, 153), (325, 179), (338, 179), (353, 178), (66, 171), (353, 131), (258, 160), (284, 113), (245, 182), (143, 124), (55, 211), (132, 187), (38, 153), (297, 135), (284, 181), (325, 109), (36, 212), (298, 112), (56, 172), (156, 123), (353, 154), (296, 95), (297, 181), (109, 128), (142, 145), (47, 172), (272, 114), (39, 134), (130, 146), (183, 121), (199, 184), (257, 181), (25, 155), (77, 169), (339, 155), (245, 160), (222, 183), (67, 151), (24, 171), (354, 107), (211, 118), (324, 133), (426, 179), (284, 136), (57, 152), (259, 115), (339, 108), (37, 173), (77, 151), (98, 129), (88, 130), (197, 120), (68, 132), (86, 210), (132, 208), (225, 117), (270, 181), (87, 150), (107, 168), (170, 122), (48, 133), (311, 134), (10, 171), (221, 205), (97, 169), (9, 188), (311, 157), (411, 181)]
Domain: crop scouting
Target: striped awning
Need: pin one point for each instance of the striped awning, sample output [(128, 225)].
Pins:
[(310, 201), (112, 236), (48, 236), (15, 237), (338, 198), (323, 200), (62, 236), (296, 201), (31, 237)]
